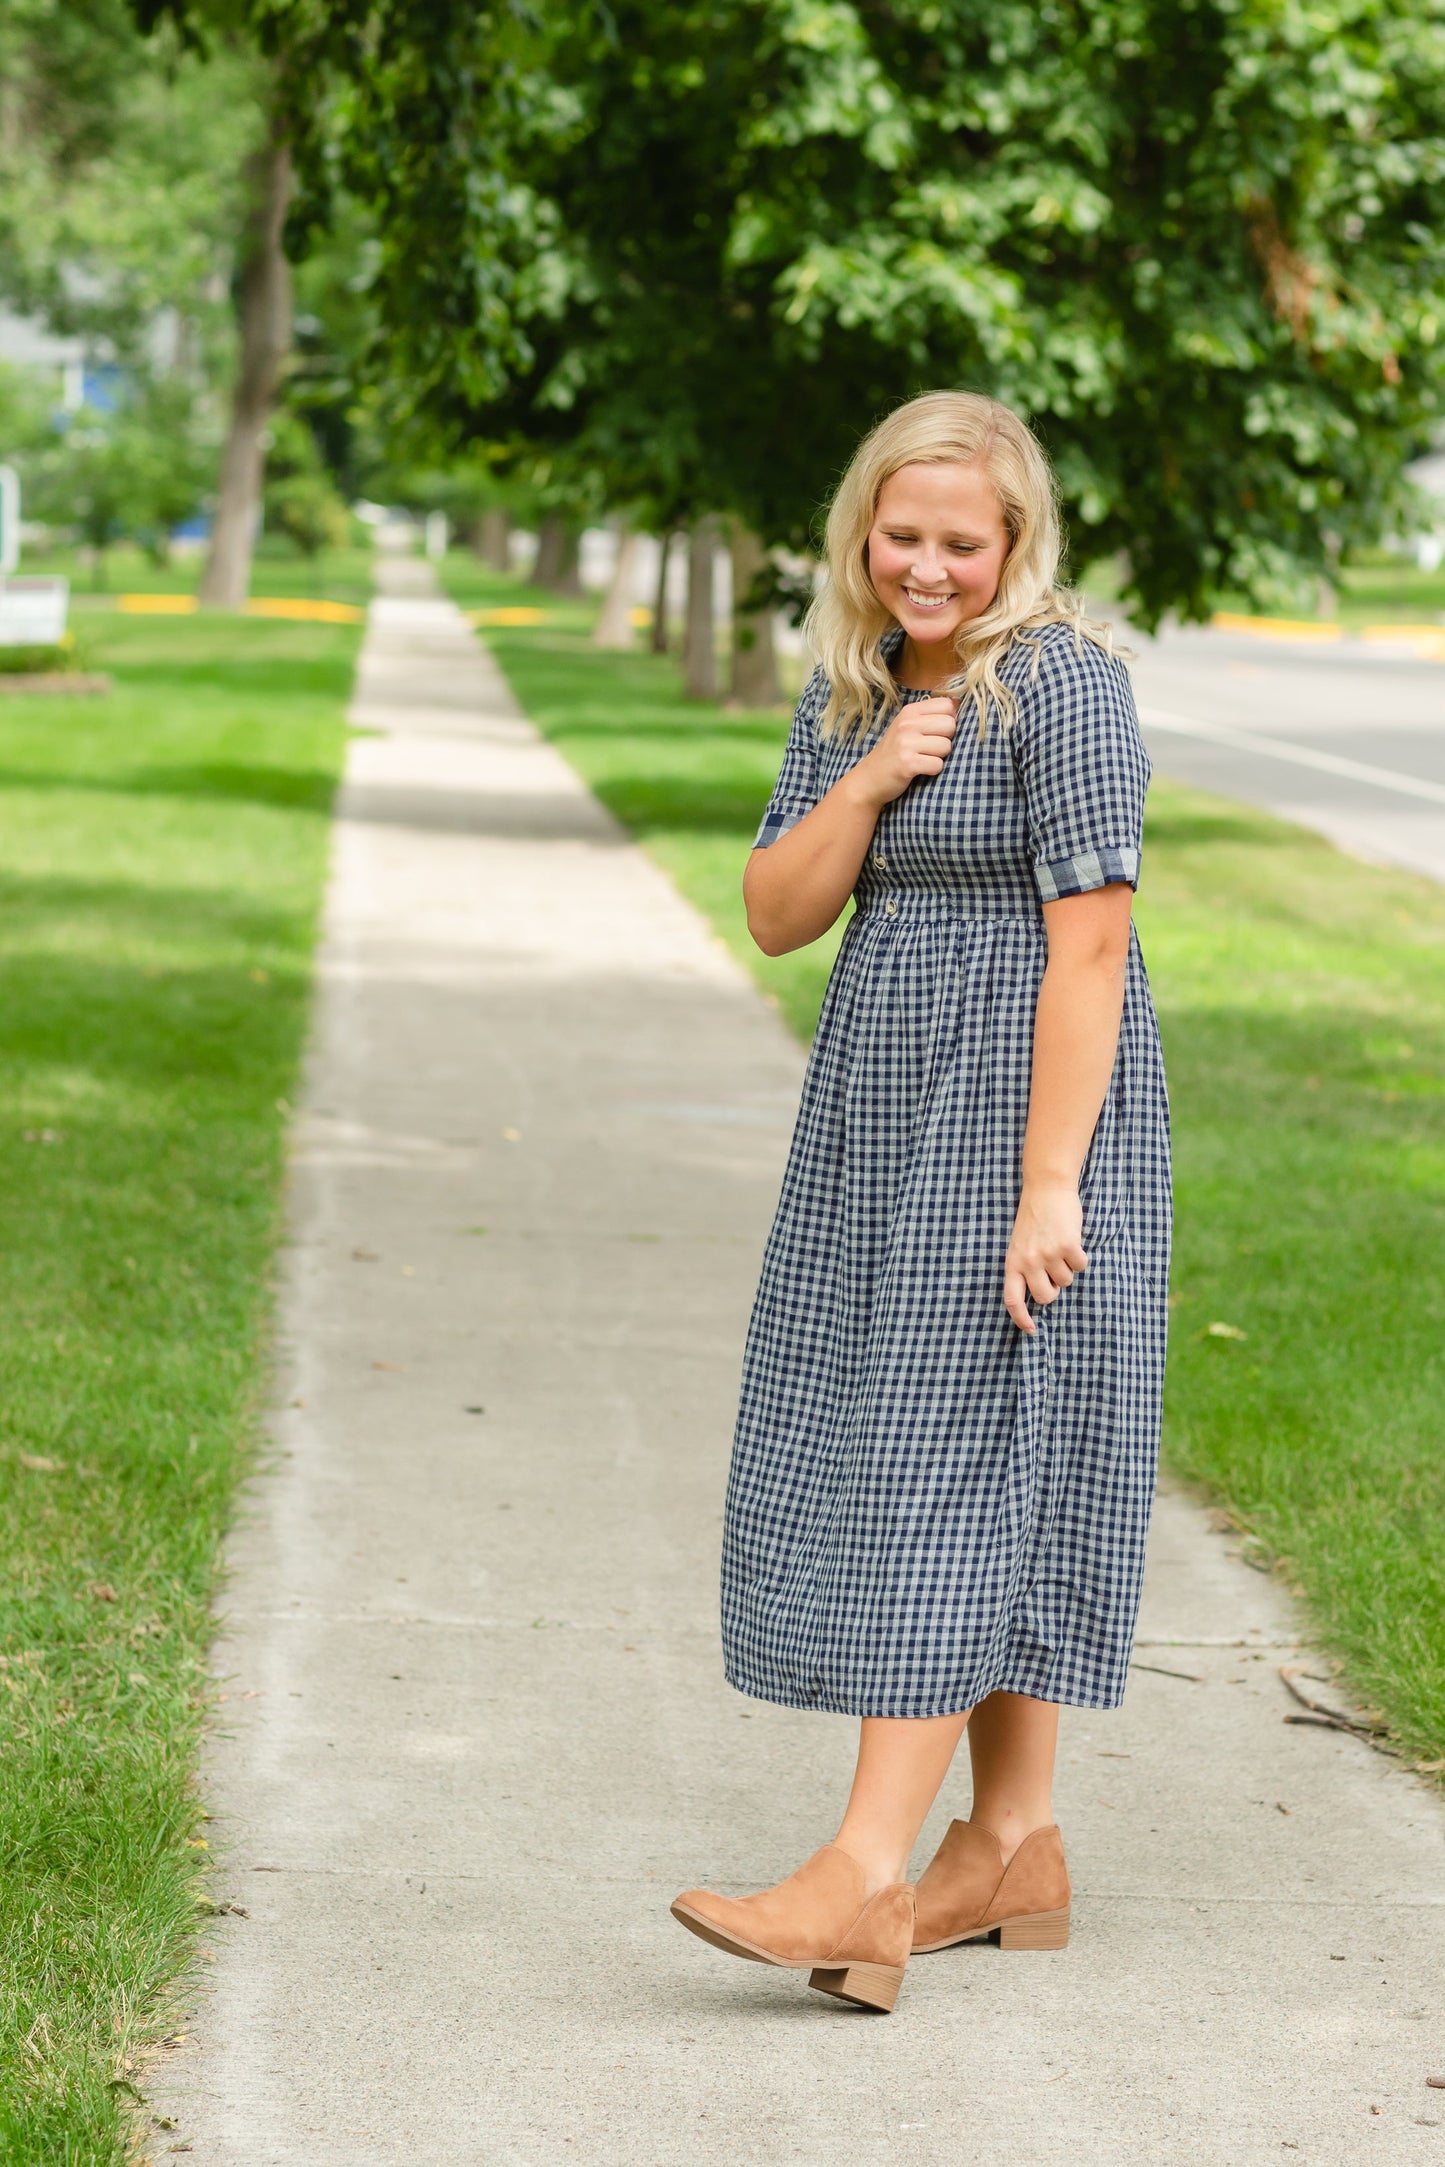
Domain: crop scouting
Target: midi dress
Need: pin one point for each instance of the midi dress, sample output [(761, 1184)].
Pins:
[(925, 1504)]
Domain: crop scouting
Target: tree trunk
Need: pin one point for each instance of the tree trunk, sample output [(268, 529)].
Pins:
[(263, 305), (493, 543), (614, 626), (557, 553), (659, 600), (548, 560), (699, 653), (570, 583), (755, 665)]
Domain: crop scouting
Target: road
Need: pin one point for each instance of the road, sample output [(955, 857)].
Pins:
[(1342, 739)]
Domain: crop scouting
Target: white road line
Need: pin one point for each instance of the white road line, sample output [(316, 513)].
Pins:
[(1279, 748)]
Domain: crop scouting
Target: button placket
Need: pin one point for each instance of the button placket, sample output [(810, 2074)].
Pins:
[(877, 858)]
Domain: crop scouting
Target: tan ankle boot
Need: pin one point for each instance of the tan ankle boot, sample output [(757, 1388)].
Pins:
[(967, 1891), (816, 1921)]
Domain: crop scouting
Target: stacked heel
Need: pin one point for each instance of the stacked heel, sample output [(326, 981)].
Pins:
[(869, 1986), (1036, 1930)]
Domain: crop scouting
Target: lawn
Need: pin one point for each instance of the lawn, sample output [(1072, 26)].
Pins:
[(1377, 589), (1381, 590), (162, 864), (1391, 591), (1302, 999), (336, 575)]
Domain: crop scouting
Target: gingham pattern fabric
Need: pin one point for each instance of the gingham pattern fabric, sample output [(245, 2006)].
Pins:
[(925, 1505)]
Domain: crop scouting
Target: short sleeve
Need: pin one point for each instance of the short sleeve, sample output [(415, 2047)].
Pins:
[(795, 792), (1083, 767)]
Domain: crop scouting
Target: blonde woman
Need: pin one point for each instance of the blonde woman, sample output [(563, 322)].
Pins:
[(945, 1453)]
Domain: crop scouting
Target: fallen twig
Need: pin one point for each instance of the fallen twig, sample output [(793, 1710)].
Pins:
[(1333, 1718), (1163, 1673)]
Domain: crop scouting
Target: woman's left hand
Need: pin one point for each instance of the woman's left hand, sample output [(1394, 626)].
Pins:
[(1045, 1250)]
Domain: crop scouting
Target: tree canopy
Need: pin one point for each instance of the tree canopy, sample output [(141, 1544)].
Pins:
[(118, 174), (405, 118), (1200, 244), (692, 251)]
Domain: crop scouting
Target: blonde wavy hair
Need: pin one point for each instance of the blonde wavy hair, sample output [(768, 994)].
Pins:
[(847, 621)]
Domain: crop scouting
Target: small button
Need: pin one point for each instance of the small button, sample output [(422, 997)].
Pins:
[(880, 861), (891, 907)]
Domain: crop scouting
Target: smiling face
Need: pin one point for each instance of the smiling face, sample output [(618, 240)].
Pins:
[(936, 550)]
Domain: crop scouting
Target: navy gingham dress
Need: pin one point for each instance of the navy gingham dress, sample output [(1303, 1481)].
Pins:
[(926, 1505)]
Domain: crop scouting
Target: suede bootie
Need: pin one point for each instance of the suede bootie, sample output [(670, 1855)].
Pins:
[(818, 1921), (967, 1891)]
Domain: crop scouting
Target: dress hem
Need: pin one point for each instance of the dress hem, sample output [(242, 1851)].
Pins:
[(952, 1706)]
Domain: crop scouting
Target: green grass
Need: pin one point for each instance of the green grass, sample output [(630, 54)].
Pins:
[(1302, 999), (1391, 591), (336, 575), (1378, 588), (1383, 590), (159, 881)]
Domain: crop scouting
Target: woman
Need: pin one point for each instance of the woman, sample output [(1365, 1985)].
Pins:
[(945, 1453)]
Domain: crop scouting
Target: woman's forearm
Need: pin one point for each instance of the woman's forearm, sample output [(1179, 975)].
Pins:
[(796, 887), (1076, 1038)]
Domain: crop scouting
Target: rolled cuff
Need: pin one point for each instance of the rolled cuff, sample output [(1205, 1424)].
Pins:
[(1084, 871), (778, 823)]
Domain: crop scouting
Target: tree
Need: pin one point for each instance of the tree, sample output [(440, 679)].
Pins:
[(135, 470), (614, 620), (695, 250), (262, 285), (658, 640), (120, 191), (491, 537), (699, 647), (166, 448), (402, 114), (410, 113), (301, 500), (754, 680), (27, 415), (126, 174), (1200, 245)]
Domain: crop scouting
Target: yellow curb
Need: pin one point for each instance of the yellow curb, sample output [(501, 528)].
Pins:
[(1279, 628), (182, 605), (518, 614), (318, 613)]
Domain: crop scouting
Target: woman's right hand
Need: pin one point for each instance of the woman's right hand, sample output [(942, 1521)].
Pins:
[(796, 887), (917, 742)]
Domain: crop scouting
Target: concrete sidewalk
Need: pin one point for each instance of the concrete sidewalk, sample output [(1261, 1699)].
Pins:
[(477, 1732)]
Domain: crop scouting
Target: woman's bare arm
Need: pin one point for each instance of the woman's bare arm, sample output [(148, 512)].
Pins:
[(1076, 1038), (796, 887)]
